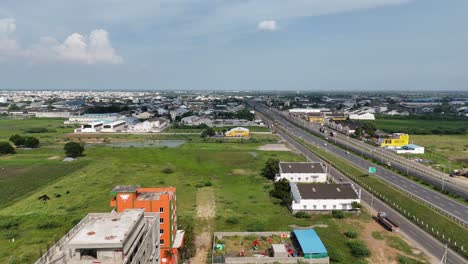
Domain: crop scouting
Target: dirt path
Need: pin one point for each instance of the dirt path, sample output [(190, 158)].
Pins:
[(205, 215)]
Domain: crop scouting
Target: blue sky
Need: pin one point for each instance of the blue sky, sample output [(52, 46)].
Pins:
[(234, 44)]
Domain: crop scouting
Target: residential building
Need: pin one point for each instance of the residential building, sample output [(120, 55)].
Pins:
[(323, 197), (154, 124), (316, 118), (361, 116), (130, 237), (144, 115), (395, 140), (159, 200), (311, 172), (238, 132)]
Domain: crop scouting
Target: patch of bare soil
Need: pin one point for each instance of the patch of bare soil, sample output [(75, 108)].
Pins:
[(381, 252), (53, 158), (205, 212), (274, 147)]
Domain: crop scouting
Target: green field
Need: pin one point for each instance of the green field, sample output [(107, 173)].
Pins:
[(444, 148), (421, 126), (231, 166), (218, 129)]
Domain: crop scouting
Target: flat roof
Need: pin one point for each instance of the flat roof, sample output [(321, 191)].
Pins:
[(326, 191), (125, 188), (309, 241), (301, 167), (107, 230)]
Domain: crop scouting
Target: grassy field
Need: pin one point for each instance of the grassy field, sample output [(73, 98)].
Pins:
[(218, 129), (57, 130), (418, 126), (444, 148), (79, 187)]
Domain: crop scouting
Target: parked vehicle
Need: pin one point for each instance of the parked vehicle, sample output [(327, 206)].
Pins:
[(389, 224)]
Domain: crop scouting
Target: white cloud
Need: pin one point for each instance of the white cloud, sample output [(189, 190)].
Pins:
[(76, 48), (96, 49), (267, 25), (8, 45)]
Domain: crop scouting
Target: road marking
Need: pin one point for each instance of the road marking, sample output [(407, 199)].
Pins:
[(457, 212), (437, 197)]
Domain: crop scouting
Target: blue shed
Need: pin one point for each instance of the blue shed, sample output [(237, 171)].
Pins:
[(310, 243)]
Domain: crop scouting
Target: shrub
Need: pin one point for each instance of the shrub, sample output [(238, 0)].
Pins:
[(271, 169), (338, 214), (358, 249), (168, 170), (355, 205), (9, 224), (335, 256), (351, 234), (31, 142), (6, 148), (256, 227), (33, 130), (48, 225), (208, 183), (10, 234), (232, 220), (302, 215), (73, 149), (17, 140)]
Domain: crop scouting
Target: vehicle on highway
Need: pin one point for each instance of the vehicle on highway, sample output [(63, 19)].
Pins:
[(389, 224)]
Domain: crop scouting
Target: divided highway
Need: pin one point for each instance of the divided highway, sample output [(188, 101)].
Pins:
[(451, 208), (426, 241), (403, 165)]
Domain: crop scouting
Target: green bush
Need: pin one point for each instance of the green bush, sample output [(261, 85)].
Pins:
[(33, 130), (232, 220), (6, 148), (351, 234), (31, 142), (302, 215), (9, 224), (17, 140), (338, 214), (207, 183), (48, 225), (73, 149), (256, 227), (168, 170), (358, 249)]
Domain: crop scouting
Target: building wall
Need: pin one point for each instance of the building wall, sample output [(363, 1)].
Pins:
[(303, 177), (318, 205), (402, 140)]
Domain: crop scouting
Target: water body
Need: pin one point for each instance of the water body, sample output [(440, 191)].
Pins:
[(143, 144)]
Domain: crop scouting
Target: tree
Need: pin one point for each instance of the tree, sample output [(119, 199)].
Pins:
[(6, 148), (73, 149), (271, 169), (31, 142), (209, 132), (17, 140), (282, 191)]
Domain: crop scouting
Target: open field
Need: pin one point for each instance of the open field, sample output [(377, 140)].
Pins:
[(230, 168), (56, 128), (218, 129), (444, 148), (420, 126)]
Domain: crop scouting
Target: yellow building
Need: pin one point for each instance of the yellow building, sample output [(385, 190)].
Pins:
[(396, 140), (238, 132), (317, 118)]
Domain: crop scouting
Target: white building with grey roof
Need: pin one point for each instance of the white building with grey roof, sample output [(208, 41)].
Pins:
[(309, 172), (323, 197)]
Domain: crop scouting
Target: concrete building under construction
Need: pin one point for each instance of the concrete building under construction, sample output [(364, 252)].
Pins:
[(130, 237)]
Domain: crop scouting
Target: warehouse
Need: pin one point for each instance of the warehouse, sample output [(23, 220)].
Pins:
[(311, 172), (323, 197)]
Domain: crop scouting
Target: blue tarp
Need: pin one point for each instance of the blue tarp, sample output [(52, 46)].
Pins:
[(309, 241)]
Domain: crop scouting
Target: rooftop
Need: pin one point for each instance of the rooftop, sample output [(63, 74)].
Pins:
[(302, 167), (125, 188), (107, 230), (309, 241), (326, 191)]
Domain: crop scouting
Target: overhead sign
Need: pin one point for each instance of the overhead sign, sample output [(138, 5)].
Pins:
[(372, 169)]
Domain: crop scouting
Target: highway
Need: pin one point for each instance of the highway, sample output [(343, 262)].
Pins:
[(429, 244), (403, 165), (457, 211)]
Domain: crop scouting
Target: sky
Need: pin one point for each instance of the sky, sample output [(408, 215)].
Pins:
[(311, 45)]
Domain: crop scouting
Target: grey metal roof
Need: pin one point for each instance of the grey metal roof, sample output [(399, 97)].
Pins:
[(301, 167), (125, 188), (326, 191)]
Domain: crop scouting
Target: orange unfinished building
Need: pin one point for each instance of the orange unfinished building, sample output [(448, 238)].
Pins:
[(159, 200)]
